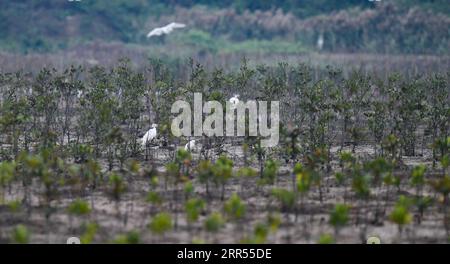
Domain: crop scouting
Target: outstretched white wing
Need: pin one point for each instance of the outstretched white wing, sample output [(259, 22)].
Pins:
[(155, 32), (165, 30), (176, 25)]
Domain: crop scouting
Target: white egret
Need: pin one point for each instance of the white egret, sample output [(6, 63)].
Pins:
[(190, 145), (320, 42), (165, 30), (150, 135), (234, 100)]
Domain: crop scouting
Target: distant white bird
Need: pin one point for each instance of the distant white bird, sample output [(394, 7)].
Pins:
[(235, 99), (320, 42), (165, 30), (190, 145), (150, 135)]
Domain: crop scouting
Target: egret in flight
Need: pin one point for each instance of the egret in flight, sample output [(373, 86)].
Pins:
[(165, 30)]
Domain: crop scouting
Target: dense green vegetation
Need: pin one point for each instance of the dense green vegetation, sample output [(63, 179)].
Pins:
[(311, 8), (348, 26), (70, 149)]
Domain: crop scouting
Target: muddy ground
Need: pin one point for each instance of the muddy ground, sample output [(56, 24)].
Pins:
[(133, 212)]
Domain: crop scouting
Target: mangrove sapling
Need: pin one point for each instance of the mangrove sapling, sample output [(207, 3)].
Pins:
[(304, 183), (388, 181), (339, 217), (81, 152), (93, 172), (273, 220), (411, 112), (150, 173), (377, 169), (418, 179), (78, 208), (261, 155), (48, 174), (68, 88), (326, 239), (15, 206), (422, 203), (132, 170), (178, 171), (443, 146), (377, 123), (161, 224), (269, 175), (315, 163), (246, 153), (89, 233), (183, 159), (15, 109), (259, 235), (113, 140), (361, 187), (132, 237), (188, 190), (222, 172), (213, 223), (97, 108), (442, 187), (45, 107), (290, 138), (20, 235), (123, 151), (287, 201), (298, 168), (235, 210), (173, 175), (205, 174), (353, 102), (130, 87), (401, 215), (438, 108), (155, 200), (245, 173), (391, 144), (7, 170), (347, 163), (117, 187), (193, 208)]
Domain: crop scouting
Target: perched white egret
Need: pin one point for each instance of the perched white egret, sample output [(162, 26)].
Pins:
[(320, 42), (165, 30), (150, 135), (190, 145), (235, 99)]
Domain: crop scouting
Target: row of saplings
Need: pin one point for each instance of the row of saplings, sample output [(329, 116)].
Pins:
[(177, 190), (111, 110)]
